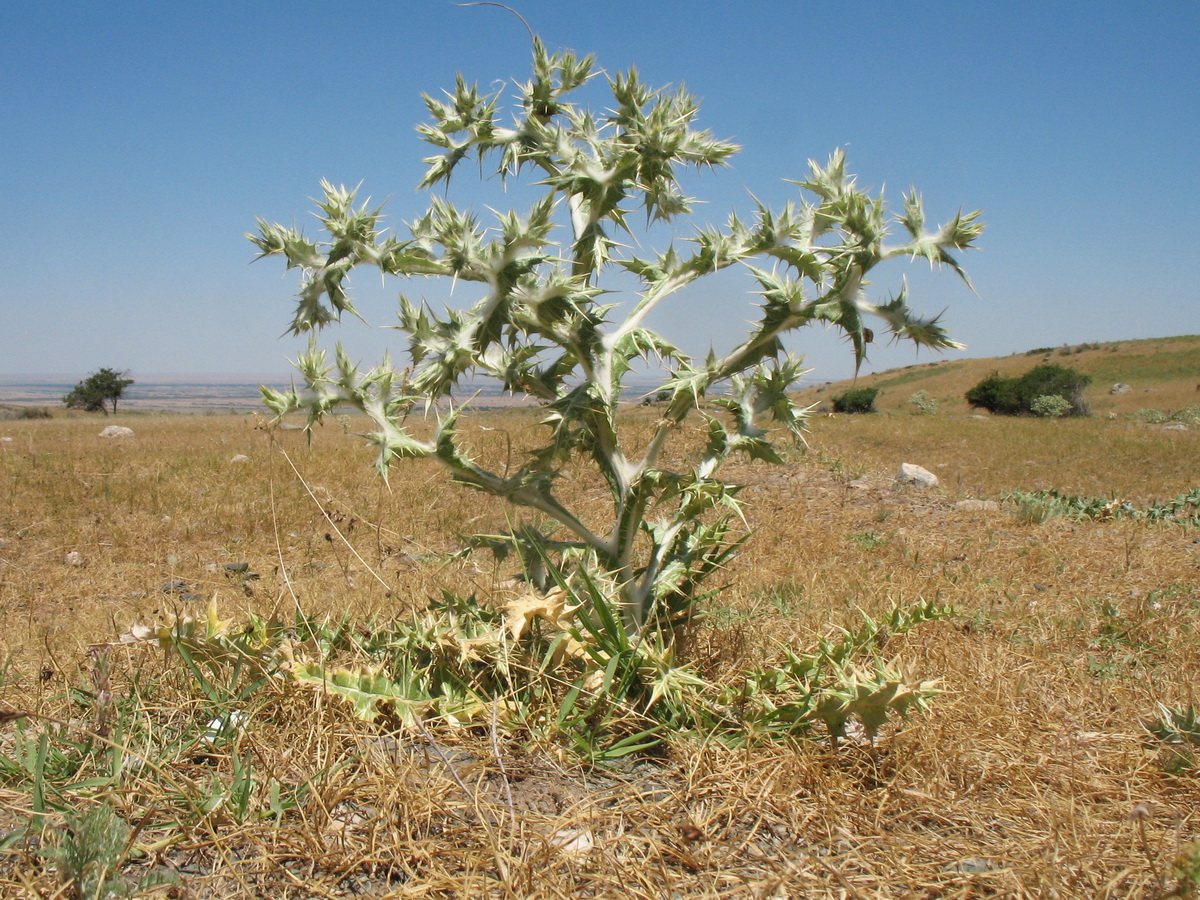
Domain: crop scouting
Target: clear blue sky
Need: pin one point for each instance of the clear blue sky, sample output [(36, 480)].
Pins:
[(139, 141)]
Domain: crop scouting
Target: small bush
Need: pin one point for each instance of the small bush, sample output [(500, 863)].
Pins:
[(996, 394), (1016, 396), (856, 400), (926, 405), (1050, 406), (24, 412), (1189, 415), (1150, 416)]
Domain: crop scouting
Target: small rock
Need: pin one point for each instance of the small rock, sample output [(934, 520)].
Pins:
[(224, 726), (74, 558), (972, 866), (5, 440), (172, 560), (116, 431), (139, 633), (240, 458), (912, 474), (174, 586), (1175, 426), (573, 842), (977, 505), (241, 571), (1120, 388)]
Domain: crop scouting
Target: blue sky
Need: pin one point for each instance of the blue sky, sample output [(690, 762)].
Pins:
[(140, 140)]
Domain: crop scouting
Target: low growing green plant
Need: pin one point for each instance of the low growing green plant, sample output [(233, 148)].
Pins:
[(559, 668), (925, 404), (1186, 871), (1037, 507), (1150, 416), (1189, 415), (1050, 406), (88, 851), (1176, 732)]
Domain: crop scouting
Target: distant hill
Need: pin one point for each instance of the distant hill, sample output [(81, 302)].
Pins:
[(1162, 373)]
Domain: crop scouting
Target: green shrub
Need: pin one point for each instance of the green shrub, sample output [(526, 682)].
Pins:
[(856, 400), (23, 412), (1016, 396), (996, 394), (1058, 381)]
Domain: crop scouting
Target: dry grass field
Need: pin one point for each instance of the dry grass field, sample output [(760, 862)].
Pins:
[(1032, 775)]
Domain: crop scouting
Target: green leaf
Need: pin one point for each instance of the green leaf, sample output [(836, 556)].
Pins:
[(368, 690)]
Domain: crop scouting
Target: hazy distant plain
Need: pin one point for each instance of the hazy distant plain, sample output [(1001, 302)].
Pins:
[(234, 393)]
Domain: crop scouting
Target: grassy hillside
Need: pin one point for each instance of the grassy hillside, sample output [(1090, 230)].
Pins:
[(1164, 374)]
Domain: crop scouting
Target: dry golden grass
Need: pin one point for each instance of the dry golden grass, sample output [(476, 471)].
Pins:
[(989, 457), (1030, 777)]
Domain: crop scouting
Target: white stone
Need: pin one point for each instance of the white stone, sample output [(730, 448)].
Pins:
[(573, 842), (978, 505), (913, 474), (240, 458), (116, 431), (74, 558)]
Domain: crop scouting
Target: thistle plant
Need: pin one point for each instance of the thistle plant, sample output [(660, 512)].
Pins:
[(552, 324), (925, 404)]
